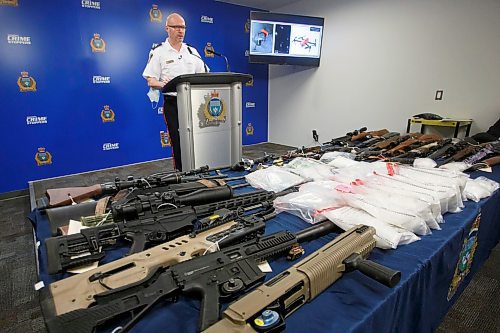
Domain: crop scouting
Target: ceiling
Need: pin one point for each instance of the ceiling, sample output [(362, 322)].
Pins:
[(261, 4)]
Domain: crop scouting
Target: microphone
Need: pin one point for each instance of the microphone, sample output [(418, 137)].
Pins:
[(197, 56), (220, 55)]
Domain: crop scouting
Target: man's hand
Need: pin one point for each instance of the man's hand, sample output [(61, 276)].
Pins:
[(154, 83)]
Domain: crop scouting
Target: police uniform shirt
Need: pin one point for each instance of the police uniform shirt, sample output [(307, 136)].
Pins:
[(165, 62)]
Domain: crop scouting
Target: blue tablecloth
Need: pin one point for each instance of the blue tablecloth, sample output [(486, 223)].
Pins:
[(355, 303)]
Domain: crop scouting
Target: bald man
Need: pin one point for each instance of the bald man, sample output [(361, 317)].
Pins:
[(166, 61)]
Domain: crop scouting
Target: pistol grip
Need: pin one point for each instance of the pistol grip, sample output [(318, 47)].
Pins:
[(209, 307), (138, 242)]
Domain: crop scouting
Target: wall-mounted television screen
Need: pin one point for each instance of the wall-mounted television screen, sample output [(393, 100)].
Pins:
[(285, 39)]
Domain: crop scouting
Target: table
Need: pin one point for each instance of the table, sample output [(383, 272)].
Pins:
[(457, 123), (355, 303)]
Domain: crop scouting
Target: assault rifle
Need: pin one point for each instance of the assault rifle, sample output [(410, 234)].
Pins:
[(67, 196), (417, 140), (74, 250), (220, 230), (342, 140), (214, 277), (288, 291)]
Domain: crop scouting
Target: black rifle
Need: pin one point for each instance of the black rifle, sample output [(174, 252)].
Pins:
[(67, 196), (342, 140), (136, 201), (69, 251), (214, 277)]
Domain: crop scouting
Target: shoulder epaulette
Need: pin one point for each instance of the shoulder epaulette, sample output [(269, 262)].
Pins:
[(158, 45)]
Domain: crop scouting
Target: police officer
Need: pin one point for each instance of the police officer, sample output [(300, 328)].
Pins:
[(166, 61)]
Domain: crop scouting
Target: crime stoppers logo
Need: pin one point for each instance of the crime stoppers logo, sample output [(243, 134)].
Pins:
[(35, 120), (110, 146), (91, 4), (165, 139), (249, 130), (43, 157), (209, 46), (207, 19), (107, 115), (16, 39), (26, 82), (13, 3), (155, 14), (98, 79), (97, 44)]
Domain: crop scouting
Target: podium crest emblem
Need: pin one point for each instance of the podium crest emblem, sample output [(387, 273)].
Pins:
[(97, 43), (214, 109), (43, 157), (107, 115), (208, 46), (249, 130), (165, 139), (155, 14), (26, 83)]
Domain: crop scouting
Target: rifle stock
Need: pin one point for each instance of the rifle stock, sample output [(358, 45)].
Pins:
[(289, 290), (67, 195), (363, 135)]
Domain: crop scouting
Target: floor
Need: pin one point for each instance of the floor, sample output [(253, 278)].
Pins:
[(477, 310)]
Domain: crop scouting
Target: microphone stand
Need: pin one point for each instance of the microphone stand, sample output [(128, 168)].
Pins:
[(228, 69)]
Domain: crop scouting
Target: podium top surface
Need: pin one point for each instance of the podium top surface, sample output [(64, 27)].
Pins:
[(206, 79)]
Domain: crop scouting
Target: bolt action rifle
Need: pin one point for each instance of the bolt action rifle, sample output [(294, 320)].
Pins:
[(413, 142), (368, 135), (136, 202), (343, 140), (69, 251), (288, 291), (212, 278), (67, 196)]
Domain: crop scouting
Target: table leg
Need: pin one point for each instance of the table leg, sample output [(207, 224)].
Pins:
[(456, 129), (408, 126), (467, 131)]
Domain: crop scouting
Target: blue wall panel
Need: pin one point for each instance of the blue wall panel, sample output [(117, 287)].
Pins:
[(53, 47)]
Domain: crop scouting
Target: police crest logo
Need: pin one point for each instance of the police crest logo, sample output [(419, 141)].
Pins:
[(165, 139), (43, 157), (13, 3), (247, 26), (26, 82), (249, 130), (249, 83), (208, 46), (155, 14), (214, 109), (465, 258), (97, 43), (107, 115)]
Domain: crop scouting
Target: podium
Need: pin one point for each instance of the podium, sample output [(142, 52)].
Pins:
[(209, 106)]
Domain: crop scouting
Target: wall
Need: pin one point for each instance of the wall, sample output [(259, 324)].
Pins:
[(383, 60), (60, 123)]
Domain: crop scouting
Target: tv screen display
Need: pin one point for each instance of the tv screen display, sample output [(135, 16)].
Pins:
[(285, 39)]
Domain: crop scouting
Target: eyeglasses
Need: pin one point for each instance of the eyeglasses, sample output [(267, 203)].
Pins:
[(177, 27)]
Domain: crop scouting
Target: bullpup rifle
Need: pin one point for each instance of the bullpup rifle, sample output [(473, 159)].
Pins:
[(212, 278), (288, 291)]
